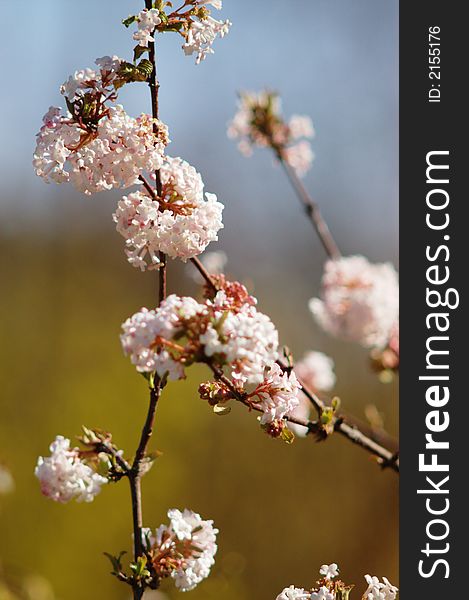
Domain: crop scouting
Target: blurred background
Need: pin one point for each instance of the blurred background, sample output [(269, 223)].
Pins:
[(66, 288)]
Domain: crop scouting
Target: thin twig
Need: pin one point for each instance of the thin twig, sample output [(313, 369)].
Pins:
[(312, 210), (205, 274)]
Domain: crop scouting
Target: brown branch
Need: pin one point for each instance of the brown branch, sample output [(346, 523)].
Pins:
[(155, 390), (312, 210), (205, 274)]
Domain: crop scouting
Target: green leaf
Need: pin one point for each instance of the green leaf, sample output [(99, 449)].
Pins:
[(145, 67), (138, 567), (115, 561), (139, 51), (130, 19), (287, 435)]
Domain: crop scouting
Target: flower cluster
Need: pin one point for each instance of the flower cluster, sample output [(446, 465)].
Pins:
[(184, 549), (201, 35), (97, 146), (259, 122), (222, 330), (66, 475), (147, 21), (360, 300), (179, 222), (227, 332), (192, 21), (328, 589)]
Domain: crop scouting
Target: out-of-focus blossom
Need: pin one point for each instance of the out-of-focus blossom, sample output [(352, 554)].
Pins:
[(316, 371), (259, 122), (185, 549), (359, 300), (7, 483), (181, 222), (65, 476)]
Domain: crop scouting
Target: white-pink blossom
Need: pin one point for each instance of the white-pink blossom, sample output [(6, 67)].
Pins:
[(278, 394), (65, 476), (189, 544), (112, 156), (201, 36), (181, 223), (147, 21), (359, 300), (248, 340), (145, 332)]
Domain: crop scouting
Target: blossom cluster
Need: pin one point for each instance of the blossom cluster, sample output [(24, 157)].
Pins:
[(259, 122), (147, 21), (183, 550), (66, 474), (359, 300), (178, 222), (96, 145), (227, 332), (328, 589), (193, 21)]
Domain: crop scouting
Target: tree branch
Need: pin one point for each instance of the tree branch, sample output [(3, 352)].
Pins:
[(312, 210)]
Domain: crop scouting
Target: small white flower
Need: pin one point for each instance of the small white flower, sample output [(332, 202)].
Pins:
[(379, 591), (329, 571), (323, 594), (293, 593)]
